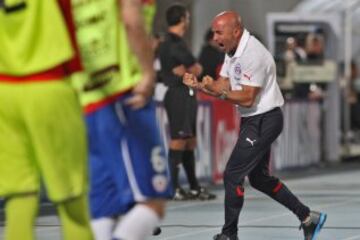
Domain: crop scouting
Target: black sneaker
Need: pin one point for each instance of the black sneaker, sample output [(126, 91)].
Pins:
[(312, 229), (201, 193), (221, 236), (180, 195), (156, 231)]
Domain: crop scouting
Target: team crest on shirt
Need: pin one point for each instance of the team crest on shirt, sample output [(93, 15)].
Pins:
[(237, 70)]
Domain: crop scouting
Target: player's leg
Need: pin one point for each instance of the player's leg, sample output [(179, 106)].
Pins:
[(250, 148), (19, 175), (74, 218), (21, 211), (103, 227), (261, 180), (175, 158), (141, 221), (147, 173), (189, 126), (188, 161), (176, 106), (234, 195), (60, 148), (105, 160), (196, 191), (241, 162)]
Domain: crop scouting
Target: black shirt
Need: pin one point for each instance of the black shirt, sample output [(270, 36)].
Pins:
[(211, 59), (173, 52)]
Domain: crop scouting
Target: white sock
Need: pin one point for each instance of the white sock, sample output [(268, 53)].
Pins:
[(137, 224), (103, 228)]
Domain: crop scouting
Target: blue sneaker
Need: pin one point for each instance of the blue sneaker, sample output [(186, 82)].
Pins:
[(312, 229)]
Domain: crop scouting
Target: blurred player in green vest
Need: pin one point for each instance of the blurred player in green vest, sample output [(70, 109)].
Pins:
[(128, 170), (42, 133)]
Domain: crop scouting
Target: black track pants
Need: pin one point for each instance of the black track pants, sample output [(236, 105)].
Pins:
[(250, 157)]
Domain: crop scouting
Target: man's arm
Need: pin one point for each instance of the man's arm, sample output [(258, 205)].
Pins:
[(245, 97), (184, 56), (139, 40), (222, 89), (219, 85)]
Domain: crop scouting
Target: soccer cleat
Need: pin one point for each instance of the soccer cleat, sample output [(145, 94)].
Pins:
[(156, 231), (180, 195), (201, 193), (222, 236), (312, 229)]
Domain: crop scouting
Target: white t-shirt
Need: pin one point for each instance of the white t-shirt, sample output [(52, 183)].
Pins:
[(253, 65)]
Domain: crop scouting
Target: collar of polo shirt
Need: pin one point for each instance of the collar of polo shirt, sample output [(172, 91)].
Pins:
[(241, 46)]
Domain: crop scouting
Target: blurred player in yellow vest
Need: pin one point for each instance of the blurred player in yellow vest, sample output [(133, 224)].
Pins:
[(128, 169), (42, 133)]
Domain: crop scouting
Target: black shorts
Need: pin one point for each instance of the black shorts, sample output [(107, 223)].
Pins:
[(181, 109)]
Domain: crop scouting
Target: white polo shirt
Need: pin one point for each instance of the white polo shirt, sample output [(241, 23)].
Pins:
[(253, 65)]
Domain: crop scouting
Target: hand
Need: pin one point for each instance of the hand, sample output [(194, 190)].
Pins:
[(191, 81), (142, 92), (179, 70), (209, 84)]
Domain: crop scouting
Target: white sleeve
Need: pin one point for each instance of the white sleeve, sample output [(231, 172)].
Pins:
[(224, 72), (253, 72)]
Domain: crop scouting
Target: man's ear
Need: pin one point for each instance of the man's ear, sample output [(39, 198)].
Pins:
[(183, 20), (237, 32)]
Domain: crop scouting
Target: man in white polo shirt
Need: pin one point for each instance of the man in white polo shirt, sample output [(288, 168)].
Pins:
[(248, 79)]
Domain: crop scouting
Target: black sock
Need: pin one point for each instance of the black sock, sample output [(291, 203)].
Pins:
[(175, 159), (188, 161)]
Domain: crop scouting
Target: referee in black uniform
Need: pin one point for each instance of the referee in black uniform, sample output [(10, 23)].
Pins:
[(180, 102), (248, 79)]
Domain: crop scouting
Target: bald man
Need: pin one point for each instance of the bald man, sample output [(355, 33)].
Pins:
[(248, 80)]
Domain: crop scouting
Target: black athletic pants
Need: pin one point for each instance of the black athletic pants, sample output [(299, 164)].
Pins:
[(250, 157)]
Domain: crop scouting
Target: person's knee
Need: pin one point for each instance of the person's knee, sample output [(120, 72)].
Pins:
[(233, 184), (177, 144), (75, 209), (157, 205), (255, 183), (231, 177), (266, 185)]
